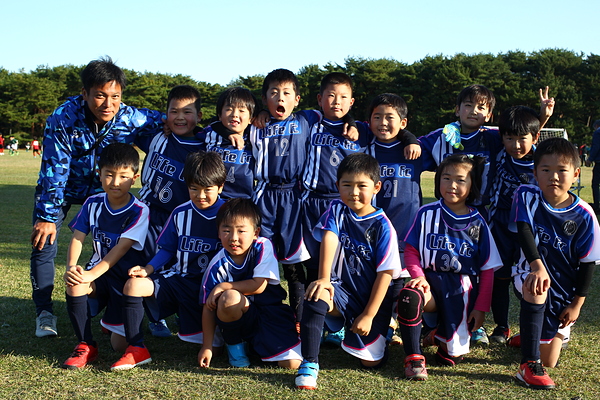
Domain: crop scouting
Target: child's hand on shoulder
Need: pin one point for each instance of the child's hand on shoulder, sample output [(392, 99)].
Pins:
[(237, 140), (204, 357), (362, 325), (418, 283), (262, 119), (350, 132), (316, 288), (73, 276), (412, 151)]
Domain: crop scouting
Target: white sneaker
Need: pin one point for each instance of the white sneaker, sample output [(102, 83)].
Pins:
[(45, 325)]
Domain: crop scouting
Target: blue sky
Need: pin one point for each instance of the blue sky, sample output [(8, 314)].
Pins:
[(216, 43)]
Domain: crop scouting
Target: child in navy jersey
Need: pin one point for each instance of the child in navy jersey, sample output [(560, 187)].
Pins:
[(558, 233), (118, 223), (236, 107), (400, 195), (163, 186), (519, 128), (190, 239), (359, 258), (451, 257), (279, 151), (474, 106), (242, 295)]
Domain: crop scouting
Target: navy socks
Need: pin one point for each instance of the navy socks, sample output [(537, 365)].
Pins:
[(531, 321), (77, 308), (133, 314), (311, 328)]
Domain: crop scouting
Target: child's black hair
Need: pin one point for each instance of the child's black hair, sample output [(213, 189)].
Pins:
[(560, 147), (336, 78), (119, 155), (237, 97), (392, 100), (280, 75), (101, 71), (185, 92), (360, 163), (477, 164), (204, 169), (478, 94), (239, 208), (519, 121)]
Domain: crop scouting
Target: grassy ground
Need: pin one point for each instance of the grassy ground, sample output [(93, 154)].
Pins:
[(29, 367)]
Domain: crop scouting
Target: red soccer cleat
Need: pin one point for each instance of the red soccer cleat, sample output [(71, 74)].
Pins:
[(81, 356), (534, 375), (133, 357)]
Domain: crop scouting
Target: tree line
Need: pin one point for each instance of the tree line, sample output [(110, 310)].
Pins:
[(429, 86)]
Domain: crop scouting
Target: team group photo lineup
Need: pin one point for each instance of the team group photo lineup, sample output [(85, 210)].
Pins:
[(269, 232)]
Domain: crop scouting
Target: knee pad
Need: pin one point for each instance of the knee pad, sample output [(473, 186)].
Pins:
[(410, 306)]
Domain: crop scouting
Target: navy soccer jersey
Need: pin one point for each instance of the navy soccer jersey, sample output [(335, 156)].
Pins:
[(327, 148), (400, 195), (107, 226), (448, 242), (367, 245), (163, 184), (260, 262), (191, 235), (238, 163), (510, 174), (484, 142), (280, 149), (564, 237)]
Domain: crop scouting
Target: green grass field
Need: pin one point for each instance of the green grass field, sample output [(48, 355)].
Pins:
[(29, 367)]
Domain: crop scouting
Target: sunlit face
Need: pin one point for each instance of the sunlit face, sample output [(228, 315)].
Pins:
[(386, 123), (519, 146), (335, 101), (237, 237), (554, 176), (103, 101), (281, 99), (182, 117), (235, 118), (204, 196), (357, 191), (455, 186), (473, 115), (116, 182)]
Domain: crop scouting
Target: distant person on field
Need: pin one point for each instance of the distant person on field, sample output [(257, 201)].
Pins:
[(74, 137), (35, 145), (594, 156)]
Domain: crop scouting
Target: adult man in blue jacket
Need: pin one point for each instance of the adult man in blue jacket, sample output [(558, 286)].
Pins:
[(74, 136)]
